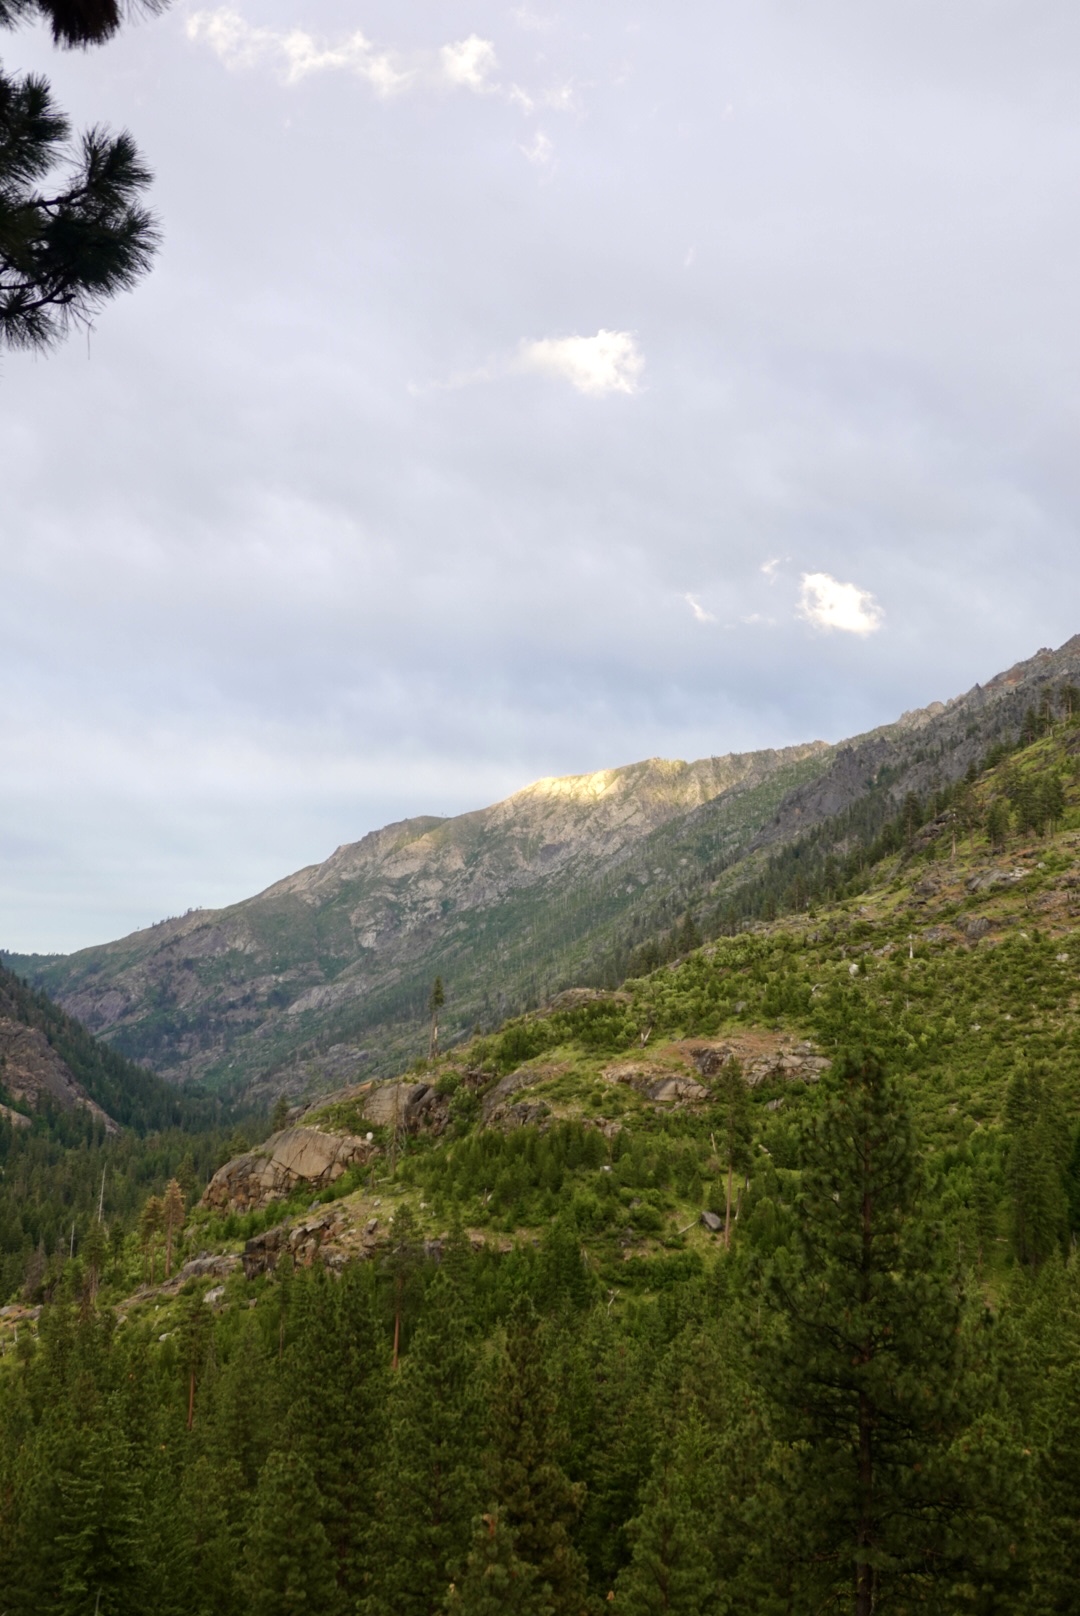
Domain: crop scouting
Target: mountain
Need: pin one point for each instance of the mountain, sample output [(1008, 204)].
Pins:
[(324, 977), (599, 1260)]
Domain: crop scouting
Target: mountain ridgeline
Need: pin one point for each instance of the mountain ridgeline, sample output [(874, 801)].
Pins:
[(324, 977)]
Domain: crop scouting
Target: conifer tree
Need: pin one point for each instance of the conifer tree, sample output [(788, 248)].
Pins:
[(66, 244), (335, 1382), (403, 1261), (209, 1511), (288, 1562), (862, 1371), (151, 1221), (531, 1499), (734, 1126), (998, 821), (172, 1219), (432, 1475), (1039, 1150), (496, 1581), (673, 1568), (435, 1004)]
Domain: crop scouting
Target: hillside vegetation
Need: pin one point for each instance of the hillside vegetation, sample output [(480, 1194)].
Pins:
[(747, 1287)]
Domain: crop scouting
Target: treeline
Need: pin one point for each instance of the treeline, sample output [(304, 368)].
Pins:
[(824, 1418)]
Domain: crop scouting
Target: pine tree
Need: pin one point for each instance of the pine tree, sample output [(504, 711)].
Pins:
[(862, 1370), (673, 1568), (496, 1581), (1039, 1151), (209, 1510), (288, 1562), (172, 1219), (66, 245), (435, 1004), (734, 1125), (998, 822), (335, 1381), (151, 1222), (531, 1497), (431, 1475), (403, 1262)]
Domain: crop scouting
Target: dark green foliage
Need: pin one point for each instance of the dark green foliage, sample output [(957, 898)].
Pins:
[(68, 246), (864, 1371), (529, 1494), (334, 1378), (288, 1565), (431, 1476), (1040, 1149)]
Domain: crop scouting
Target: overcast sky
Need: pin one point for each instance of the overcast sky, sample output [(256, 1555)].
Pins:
[(521, 392)]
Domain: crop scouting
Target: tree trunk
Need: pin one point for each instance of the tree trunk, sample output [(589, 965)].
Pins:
[(727, 1213), (864, 1571)]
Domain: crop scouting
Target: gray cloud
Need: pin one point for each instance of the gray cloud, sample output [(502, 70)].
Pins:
[(265, 586)]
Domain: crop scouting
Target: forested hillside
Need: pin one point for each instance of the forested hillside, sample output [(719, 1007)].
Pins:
[(748, 1287), (83, 1131)]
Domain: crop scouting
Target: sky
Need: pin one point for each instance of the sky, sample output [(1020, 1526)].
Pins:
[(524, 390)]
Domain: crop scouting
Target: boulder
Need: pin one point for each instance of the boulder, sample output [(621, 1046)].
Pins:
[(395, 1104), (986, 880), (495, 1101), (216, 1264), (672, 1090), (302, 1241), (294, 1156), (713, 1222)]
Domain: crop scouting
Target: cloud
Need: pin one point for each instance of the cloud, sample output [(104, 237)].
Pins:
[(769, 568), (829, 604), (610, 362), (700, 614), (540, 151), (469, 63), (239, 45)]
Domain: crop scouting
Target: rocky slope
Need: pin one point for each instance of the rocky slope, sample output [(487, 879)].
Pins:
[(322, 979), (33, 1075)]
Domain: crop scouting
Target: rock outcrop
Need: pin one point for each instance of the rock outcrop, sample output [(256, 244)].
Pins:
[(33, 1074), (662, 1086), (287, 1159)]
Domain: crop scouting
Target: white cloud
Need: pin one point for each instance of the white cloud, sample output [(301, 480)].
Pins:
[(700, 614), (469, 62), (610, 362), (540, 151), (769, 568), (829, 604), (238, 44)]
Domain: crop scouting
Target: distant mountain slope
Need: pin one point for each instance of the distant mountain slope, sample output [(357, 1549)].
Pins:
[(324, 976), (49, 1062), (345, 951)]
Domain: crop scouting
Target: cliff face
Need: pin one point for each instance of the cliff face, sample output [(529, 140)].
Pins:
[(322, 979)]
